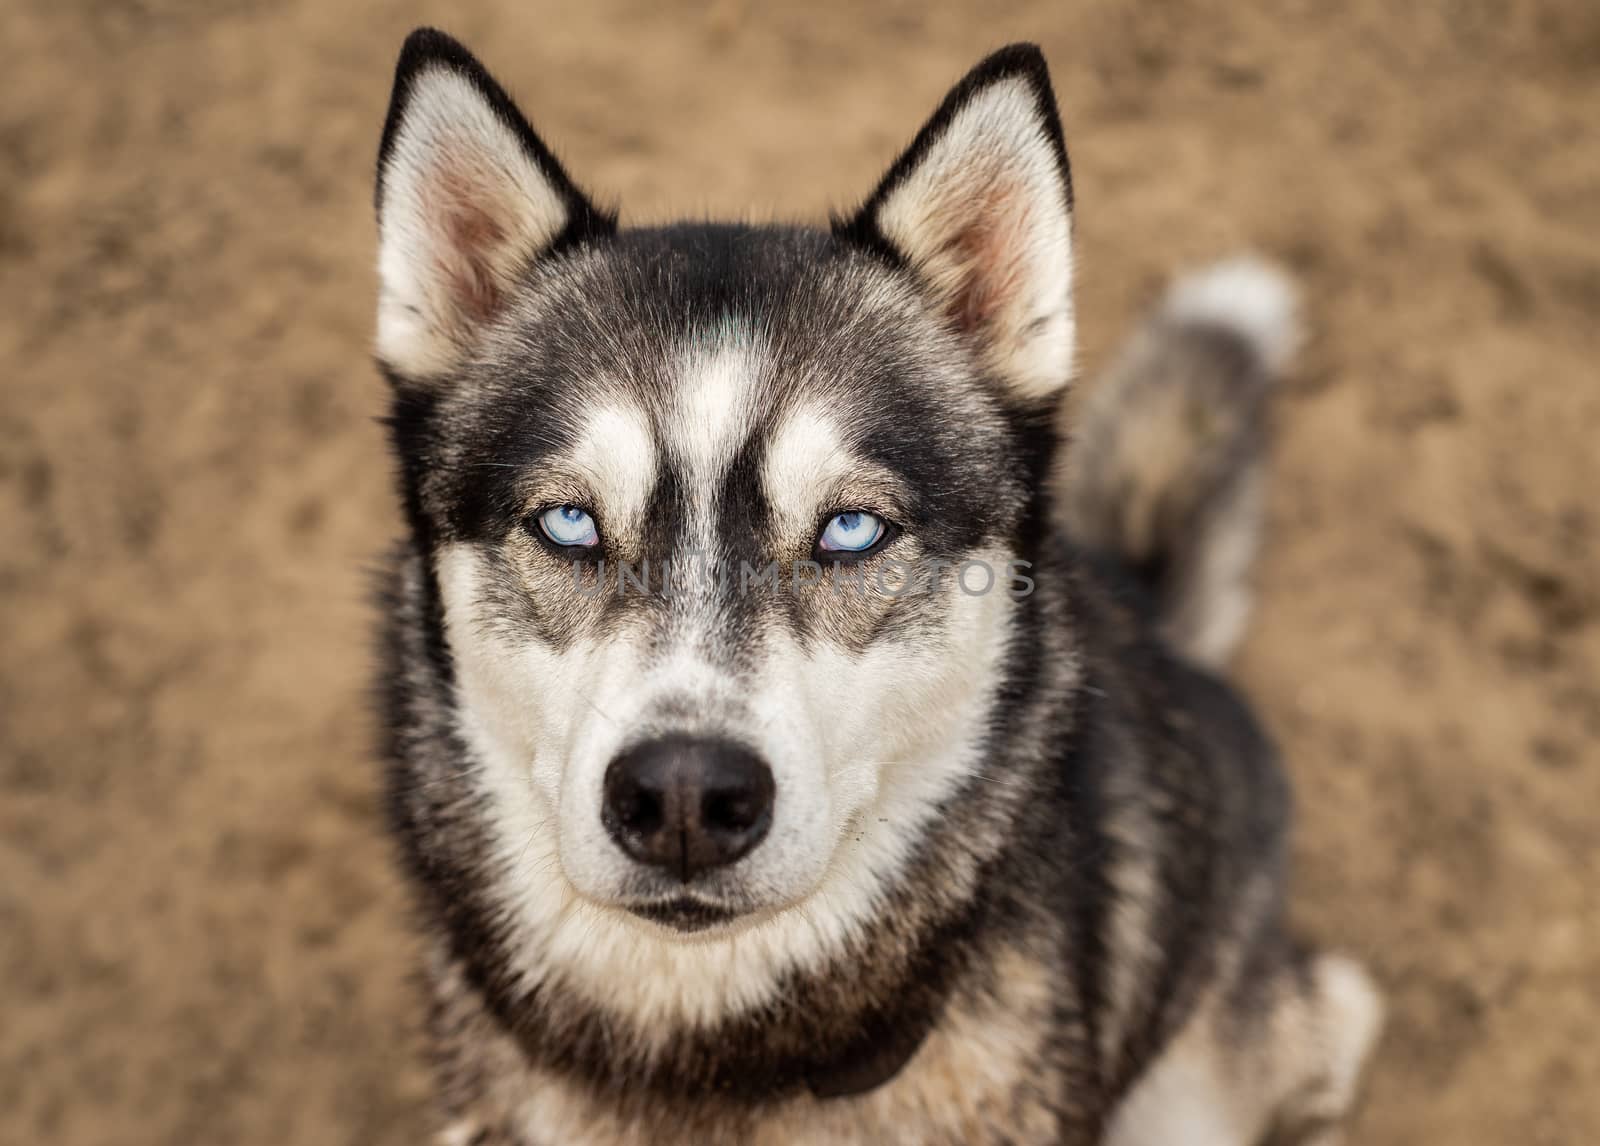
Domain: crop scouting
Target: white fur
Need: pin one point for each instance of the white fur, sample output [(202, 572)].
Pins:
[(1213, 1086), (711, 408), (1245, 295), (805, 459), (863, 746), (994, 170), (1182, 1099), (1352, 1016), (863, 749), (617, 455), (451, 154)]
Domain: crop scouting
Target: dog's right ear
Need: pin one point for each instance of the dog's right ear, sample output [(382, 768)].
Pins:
[(467, 196), (979, 208)]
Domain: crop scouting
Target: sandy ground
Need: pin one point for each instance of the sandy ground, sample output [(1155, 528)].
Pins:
[(201, 939)]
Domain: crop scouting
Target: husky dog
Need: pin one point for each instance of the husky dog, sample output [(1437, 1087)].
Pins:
[(776, 858)]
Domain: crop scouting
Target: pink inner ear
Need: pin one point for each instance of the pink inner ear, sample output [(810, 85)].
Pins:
[(469, 236), (986, 253)]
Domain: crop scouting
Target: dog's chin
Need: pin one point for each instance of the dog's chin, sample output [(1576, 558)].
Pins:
[(709, 909), (688, 915), (692, 915), (664, 909)]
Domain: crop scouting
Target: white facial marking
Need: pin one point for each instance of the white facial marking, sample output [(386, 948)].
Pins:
[(542, 724), (804, 461), (711, 413), (617, 453), (709, 420)]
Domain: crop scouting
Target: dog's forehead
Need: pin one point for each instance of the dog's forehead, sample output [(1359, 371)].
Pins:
[(721, 398), (714, 391), (713, 307), (686, 358), (712, 334)]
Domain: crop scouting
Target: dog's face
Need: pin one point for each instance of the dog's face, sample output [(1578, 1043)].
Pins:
[(723, 520)]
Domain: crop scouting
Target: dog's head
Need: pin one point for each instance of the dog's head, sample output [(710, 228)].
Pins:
[(724, 520)]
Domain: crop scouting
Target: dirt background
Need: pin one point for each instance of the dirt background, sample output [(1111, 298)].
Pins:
[(201, 939)]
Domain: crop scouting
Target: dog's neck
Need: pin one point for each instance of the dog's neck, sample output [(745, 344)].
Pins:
[(980, 1043), (870, 1062)]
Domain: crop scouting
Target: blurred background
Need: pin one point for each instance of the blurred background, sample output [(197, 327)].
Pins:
[(201, 936)]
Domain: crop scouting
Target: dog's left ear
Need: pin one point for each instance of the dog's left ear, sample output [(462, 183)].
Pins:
[(468, 197), (980, 208)]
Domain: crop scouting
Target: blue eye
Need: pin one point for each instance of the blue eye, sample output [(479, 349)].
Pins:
[(569, 525), (852, 532)]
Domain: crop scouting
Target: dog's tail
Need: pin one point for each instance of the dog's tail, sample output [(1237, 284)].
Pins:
[(1165, 471)]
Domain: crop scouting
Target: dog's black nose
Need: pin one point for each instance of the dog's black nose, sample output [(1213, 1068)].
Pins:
[(688, 803)]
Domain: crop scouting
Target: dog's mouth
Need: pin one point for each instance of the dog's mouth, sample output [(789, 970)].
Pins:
[(686, 913)]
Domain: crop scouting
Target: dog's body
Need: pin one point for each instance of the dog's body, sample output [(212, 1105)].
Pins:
[(946, 866)]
